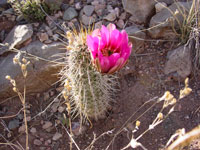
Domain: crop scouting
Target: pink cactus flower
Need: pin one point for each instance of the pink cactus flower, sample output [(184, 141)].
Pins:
[(109, 48)]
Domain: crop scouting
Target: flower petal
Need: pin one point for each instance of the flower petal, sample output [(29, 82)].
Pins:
[(115, 40), (105, 35), (96, 33), (111, 27), (113, 59), (126, 50), (105, 64), (93, 44), (117, 66)]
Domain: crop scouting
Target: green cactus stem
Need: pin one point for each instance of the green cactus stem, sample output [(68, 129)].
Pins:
[(90, 92)]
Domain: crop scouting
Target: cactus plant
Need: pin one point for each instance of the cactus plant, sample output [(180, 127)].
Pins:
[(89, 91), (91, 60)]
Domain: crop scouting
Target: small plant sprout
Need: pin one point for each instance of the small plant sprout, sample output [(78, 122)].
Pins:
[(86, 89), (23, 64)]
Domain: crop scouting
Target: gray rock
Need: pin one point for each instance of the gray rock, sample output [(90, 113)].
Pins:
[(3, 3), (18, 35), (13, 124), (179, 61), (87, 20), (69, 14), (8, 11), (41, 74), (88, 10), (111, 16), (136, 36), (141, 10), (162, 21)]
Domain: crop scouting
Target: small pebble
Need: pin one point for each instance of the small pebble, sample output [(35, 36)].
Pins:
[(78, 6), (111, 16), (117, 11), (98, 25), (46, 96), (54, 107), (76, 128), (47, 125), (61, 109), (28, 118), (55, 37), (37, 142), (9, 134), (33, 130), (120, 23), (123, 16), (13, 124), (52, 93), (22, 129), (43, 37), (57, 136), (50, 33)]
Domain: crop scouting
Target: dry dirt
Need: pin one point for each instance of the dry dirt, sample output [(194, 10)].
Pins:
[(141, 80)]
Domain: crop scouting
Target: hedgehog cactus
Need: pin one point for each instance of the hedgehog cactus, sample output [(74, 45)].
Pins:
[(89, 91)]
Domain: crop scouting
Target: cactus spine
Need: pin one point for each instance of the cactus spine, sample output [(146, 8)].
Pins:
[(90, 92)]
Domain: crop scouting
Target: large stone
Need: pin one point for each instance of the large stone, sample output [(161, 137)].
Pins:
[(69, 14), (179, 62), (161, 24), (18, 35), (41, 73), (141, 10), (137, 37)]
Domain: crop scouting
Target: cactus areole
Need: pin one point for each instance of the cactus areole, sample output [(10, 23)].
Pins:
[(109, 48)]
